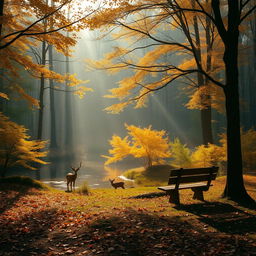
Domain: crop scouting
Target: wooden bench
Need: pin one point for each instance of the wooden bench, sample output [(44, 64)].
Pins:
[(197, 179)]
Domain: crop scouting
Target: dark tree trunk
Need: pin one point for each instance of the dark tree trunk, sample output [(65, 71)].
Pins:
[(53, 140), (1, 78), (68, 115), (252, 84), (41, 96), (1, 14), (206, 113), (235, 189), (206, 123), (53, 136), (4, 169), (41, 105)]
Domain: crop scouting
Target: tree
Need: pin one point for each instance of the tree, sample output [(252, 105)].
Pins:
[(197, 41), (150, 145), (208, 155), (227, 17), (181, 154), (23, 25), (16, 148)]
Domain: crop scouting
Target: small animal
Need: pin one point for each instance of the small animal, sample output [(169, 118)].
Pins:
[(117, 184), (71, 178)]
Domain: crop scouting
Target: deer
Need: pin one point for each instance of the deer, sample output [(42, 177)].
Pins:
[(71, 178), (117, 184)]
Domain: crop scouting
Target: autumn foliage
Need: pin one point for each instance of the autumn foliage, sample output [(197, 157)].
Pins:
[(150, 145), (16, 147), (24, 26)]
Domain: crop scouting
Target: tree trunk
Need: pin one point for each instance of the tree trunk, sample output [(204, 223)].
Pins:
[(235, 188), (4, 169), (205, 114), (206, 124), (1, 14), (53, 140), (1, 71), (41, 105), (41, 96), (68, 115), (252, 84)]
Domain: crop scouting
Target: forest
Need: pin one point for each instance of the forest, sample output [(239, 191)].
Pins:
[(107, 100)]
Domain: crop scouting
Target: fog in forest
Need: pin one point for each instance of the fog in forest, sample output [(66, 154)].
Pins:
[(83, 129)]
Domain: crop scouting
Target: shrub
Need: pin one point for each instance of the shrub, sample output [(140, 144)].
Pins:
[(83, 189)]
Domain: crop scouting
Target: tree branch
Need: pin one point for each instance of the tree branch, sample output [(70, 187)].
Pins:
[(153, 38), (23, 32), (247, 14)]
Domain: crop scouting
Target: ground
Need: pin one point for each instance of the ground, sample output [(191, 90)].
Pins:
[(135, 221)]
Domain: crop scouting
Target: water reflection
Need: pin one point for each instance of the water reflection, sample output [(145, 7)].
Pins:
[(94, 173)]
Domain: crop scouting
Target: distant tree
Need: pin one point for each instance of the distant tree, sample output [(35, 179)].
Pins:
[(15, 147), (181, 154), (208, 155), (150, 145)]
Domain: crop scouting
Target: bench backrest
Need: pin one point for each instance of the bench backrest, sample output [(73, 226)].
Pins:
[(181, 176)]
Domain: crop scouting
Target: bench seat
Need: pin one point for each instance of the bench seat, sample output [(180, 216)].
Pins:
[(185, 186), (196, 179)]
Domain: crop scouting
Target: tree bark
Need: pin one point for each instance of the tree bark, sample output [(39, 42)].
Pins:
[(206, 113), (53, 139), (235, 189), (1, 28), (41, 105)]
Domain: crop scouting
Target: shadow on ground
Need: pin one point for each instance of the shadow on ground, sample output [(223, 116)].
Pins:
[(223, 217), (9, 196), (132, 233), (138, 233)]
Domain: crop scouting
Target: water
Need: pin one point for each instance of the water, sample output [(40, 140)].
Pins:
[(93, 172)]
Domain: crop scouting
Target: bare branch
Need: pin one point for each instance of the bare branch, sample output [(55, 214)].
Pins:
[(61, 90), (25, 33), (247, 14), (153, 38)]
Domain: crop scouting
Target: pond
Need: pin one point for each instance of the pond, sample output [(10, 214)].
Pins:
[(93, 172)]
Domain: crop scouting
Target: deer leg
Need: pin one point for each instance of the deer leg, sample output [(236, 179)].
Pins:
[(67, 186)]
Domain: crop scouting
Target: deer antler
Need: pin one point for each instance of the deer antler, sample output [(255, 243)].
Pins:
[(76, 169)]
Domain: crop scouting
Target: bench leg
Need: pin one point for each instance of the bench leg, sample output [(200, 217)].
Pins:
[(174, 197), (198, 194)]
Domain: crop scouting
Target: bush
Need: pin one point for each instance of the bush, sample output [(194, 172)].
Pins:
[(83, 189), (155, 175)]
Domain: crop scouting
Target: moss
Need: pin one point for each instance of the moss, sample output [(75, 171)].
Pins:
[(155, 175)]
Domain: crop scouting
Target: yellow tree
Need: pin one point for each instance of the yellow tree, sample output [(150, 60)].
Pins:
[(181, 154), (24, 24), (150, 145), (29, 29), (208, 155), (16, 148)]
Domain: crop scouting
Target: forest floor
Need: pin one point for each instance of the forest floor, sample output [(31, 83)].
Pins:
[(134, 221)]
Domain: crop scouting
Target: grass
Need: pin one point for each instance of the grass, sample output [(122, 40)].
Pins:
[(134, 221), (83, 189), (156, 175)]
